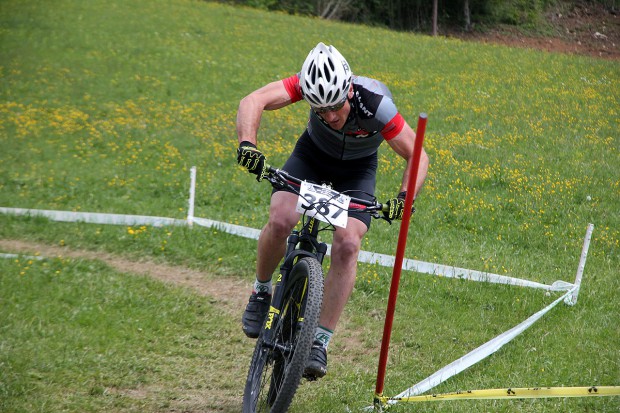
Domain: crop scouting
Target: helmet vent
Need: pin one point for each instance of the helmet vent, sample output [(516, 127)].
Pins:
[(327, 73)]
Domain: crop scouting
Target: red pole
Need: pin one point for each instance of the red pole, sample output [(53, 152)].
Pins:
[(400, 253)]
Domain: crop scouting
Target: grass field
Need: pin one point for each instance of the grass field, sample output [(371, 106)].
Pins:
[(105, 106)]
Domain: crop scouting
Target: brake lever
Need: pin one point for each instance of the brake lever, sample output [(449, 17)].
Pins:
[(376, 215), (277, 182)]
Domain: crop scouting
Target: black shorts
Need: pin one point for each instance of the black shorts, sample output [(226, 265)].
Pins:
[(356, 177)]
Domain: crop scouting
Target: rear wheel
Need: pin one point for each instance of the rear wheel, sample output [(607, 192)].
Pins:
[(276, 368)]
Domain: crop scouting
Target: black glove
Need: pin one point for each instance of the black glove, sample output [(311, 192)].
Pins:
[(396, 207), (252, 159)]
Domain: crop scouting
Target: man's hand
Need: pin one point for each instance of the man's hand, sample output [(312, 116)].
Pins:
[(396, 207), (252, 159)]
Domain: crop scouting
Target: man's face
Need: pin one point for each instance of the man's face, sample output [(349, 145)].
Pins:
[(336, 118)]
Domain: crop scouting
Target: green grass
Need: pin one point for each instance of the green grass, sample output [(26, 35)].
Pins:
[(104, 107), (78, 336)]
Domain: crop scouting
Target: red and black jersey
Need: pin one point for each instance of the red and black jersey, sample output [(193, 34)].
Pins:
[(373, 119)]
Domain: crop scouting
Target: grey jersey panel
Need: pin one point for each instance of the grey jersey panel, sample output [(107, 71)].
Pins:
[(372, 108)]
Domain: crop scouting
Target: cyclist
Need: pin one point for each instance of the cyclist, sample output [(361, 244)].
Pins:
[(350, 116)]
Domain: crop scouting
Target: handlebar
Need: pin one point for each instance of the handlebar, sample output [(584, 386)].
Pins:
[(282, 179)]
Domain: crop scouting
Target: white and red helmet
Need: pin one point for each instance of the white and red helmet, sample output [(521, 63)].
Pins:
[(325, 77)]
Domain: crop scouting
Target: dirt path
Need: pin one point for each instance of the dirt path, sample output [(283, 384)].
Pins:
[(588, 28), (230, 295), (227, 291)]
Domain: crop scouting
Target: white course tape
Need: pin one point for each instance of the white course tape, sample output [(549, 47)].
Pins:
[(455, 272), (476, 355), (228, 228), (364, 256), (95, 217), (408, 264), (572, 299)]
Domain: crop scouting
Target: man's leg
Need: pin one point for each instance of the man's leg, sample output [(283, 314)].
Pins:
[(271, 248), (272, 239), (340, 278), (339, 284)]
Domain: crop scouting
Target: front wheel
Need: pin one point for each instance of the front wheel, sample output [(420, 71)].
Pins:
[(280, 355)]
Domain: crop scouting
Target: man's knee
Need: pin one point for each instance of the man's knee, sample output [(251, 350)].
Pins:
[(279, 226), (282, 214), (347, 246)]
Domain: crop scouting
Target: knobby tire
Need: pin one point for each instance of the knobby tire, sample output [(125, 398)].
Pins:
[(275, 373)]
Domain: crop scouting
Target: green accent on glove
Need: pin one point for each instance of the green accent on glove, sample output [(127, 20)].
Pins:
[(396, 207), (252, 159)]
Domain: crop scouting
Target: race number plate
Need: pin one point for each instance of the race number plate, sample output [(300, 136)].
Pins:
[(324, 204)]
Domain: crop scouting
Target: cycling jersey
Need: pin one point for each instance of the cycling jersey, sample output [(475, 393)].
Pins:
[(373, 118)]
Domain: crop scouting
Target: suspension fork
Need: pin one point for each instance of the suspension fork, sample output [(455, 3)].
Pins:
[(275, 309), (273, 316), (308, 240), (299, 245)]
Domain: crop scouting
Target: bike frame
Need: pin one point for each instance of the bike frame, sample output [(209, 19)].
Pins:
[(300, 244)]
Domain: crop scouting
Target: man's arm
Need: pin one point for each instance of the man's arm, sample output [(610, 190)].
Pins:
[(269, 97), (403, 144)]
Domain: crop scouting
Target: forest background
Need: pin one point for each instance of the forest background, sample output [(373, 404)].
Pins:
[(419, 15), (567, 26)]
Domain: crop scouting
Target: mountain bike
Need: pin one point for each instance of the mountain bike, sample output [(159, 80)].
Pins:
[(284, 343)]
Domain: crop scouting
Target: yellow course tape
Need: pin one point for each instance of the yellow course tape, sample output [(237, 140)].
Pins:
[(511, 393)]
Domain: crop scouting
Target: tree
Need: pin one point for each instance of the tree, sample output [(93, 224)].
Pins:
[(435, 12), (332, 9), (467, 15)]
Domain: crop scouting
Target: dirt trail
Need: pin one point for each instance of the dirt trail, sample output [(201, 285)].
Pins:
[(587, 28), (229, 292)]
